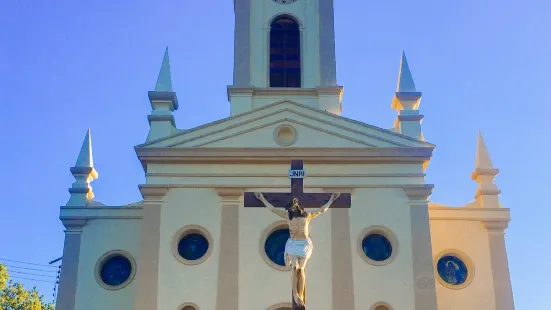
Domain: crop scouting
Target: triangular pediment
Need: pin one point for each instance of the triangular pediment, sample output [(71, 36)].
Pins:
[(312, 128)]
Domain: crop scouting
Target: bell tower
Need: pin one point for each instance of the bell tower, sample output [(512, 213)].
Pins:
[(284, 50)]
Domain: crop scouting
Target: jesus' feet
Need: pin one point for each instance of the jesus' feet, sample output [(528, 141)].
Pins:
[(298, 301)]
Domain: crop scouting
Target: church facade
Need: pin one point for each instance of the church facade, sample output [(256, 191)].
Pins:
[(193, 243)]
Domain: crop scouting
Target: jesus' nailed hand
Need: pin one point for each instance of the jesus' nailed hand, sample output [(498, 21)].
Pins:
[(298, 248)]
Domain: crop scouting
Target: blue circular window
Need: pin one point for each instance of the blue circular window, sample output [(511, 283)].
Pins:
[(116, 270), (377, 247), (452, 270), (193, 246), (275, 246)]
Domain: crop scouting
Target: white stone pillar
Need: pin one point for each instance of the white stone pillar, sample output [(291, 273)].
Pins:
[(503, 291), (421, 246), (69, 265), (227, 297), (147, 275)]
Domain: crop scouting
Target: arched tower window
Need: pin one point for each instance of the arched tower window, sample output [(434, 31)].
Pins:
[(285, 52)]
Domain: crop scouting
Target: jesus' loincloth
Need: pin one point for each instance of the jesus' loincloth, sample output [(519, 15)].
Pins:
[(299, 248)]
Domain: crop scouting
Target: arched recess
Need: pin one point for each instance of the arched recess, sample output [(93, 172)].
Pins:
[(281, 306), (285, 52)]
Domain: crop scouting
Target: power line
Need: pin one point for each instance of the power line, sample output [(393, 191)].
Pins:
[(54, 294), (33, 274), (42, 270), (34, 279), (20, 262)]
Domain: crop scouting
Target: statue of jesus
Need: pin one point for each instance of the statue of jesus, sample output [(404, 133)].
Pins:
[(298, 248)]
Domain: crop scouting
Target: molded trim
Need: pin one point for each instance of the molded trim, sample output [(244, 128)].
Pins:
[(163, 96)]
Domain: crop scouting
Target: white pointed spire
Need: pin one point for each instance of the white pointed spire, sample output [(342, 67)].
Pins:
[(406, 102), (163, 102), (405, 80), (84, 173), (164, 81), (85, 158), (483, 160), (484, 174)]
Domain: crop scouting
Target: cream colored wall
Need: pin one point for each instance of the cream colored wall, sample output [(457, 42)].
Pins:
[(180, 283), (392, 283), (470, 238), (196, 202), (262, 13), (98, 237)]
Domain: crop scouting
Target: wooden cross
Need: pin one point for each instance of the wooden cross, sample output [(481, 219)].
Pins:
[(313, 200), (308, 200)]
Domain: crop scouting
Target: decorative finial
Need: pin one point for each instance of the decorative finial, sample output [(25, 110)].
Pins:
[(85, 158), (84, 173), (405, 80), (484, 174), (483, 160), (406, 102), (164, 81)]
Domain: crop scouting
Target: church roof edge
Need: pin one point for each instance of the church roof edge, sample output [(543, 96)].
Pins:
[(388, 131)]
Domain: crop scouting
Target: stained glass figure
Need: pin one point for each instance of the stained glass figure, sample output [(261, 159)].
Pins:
[(452, 270)]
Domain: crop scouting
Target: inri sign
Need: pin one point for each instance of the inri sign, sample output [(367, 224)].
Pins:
[(297, 174)]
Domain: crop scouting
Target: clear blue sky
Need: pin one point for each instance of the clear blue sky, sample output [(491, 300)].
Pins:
[(68, 65)]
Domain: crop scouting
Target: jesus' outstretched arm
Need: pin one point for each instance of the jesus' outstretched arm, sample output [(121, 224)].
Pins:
[(280, 213), (325, 206)]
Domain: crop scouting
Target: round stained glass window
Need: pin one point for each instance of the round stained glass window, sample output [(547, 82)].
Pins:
[(452, 270), (193, 246), (116, 270), (377, 247), (275, 246)]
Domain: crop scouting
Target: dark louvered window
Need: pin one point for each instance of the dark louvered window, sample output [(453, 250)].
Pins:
[(285, 53)]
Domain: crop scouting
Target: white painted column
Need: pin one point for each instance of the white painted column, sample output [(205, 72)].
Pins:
[(227, 297), (421, 247), (503, 291), (147, 275), (69, 265)]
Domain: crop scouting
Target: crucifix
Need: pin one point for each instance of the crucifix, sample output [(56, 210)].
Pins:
[(298, 248)]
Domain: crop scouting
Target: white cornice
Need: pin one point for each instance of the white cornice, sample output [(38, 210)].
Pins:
[(495, 226), (419, 192), (344, 188), (277, 155), (286, 92), (152, 192), (72, 214), (285, 174), (494, 215)]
